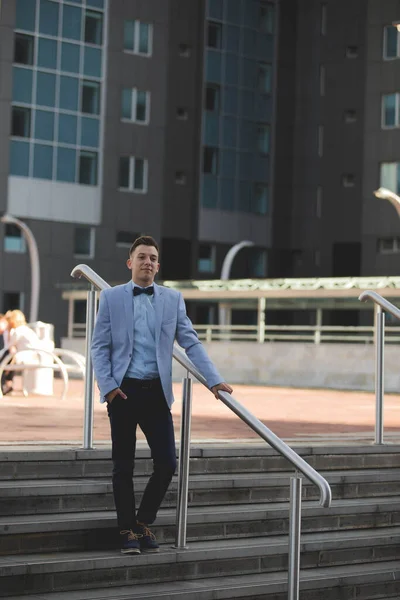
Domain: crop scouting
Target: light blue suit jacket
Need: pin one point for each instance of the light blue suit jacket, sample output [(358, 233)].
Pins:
[(113, 339)]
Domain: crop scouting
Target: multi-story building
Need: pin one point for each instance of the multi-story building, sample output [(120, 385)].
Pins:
[(203, 123)]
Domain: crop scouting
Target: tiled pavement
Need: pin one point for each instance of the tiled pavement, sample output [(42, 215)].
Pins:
[(293, 414)]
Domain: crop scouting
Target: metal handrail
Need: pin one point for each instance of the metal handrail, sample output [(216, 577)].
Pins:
[(381, 301), (381, 306), (263, 431), (183, 474)]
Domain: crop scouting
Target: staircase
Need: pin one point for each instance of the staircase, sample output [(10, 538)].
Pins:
[(58, 536)]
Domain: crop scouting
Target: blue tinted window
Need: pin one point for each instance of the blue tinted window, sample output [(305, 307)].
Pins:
[(249, 73), (70, 54), (389, 108), (234, 11), (246, 165), (43, 161), (260, 199), (44, 125), (247, 108), (48, 20), (229, 132), (47, 56), (230, 101), (90, 132), (19, 158), (215, 9), (46, 89), (227, 194), (67, 127), (22, 85), (88, 168), (66, 164), (232, 39), (211, 129), (72, 22), (129, 35), (69, 91), (213, 66), (231, 70), (228, 163), (390, 50), (244, 201), (250, 16), (210, 191), (263, 107), (92, 62), (264, 46), (95, 3), (260, 168), (247, 135), (249, 42), (25, 15)]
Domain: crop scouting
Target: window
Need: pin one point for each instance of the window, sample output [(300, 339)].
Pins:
[(263, 138), (214, 35), (212, 100), (206, 261), (264, 78), (182, 113), (266, 16), (84, 242), (324, 18), (390, 43), (180, 178), (389, 245), (348, 180), (14, 240), (88, 168), (125, 239), (210, 160), (138, 37), (351, 52), (350, 116), (133, 174), (318, 208), (135, 105), (23, 49), (13, 301), (184, 50), (260, 199), (320, 140), (390, 177), (21, 121), (93, 27), (90, 99), (322, 80), (390, 110), (257, 263)]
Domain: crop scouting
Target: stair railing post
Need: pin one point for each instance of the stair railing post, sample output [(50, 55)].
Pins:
[(89, 373), (183, 469), (379, 364), (294, 537)]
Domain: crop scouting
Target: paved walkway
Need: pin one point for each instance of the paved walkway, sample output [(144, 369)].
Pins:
[(293, 414)]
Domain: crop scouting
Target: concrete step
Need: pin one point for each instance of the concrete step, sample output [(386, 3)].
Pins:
[(368, 581), (74, 495), (75, 463), (68, 571), (97, 529)]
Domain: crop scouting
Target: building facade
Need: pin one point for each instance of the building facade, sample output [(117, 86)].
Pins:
[(203, 124)]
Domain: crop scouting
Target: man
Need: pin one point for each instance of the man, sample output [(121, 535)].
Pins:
[(132, 347)]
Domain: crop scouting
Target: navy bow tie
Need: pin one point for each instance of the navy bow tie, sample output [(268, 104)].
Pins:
[(138, 290)]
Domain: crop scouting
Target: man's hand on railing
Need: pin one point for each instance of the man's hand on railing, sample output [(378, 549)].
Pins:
[(221, 387)]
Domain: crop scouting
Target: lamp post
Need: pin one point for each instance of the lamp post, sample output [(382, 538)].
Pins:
[(225, 272), (393, 198), (34, 259)]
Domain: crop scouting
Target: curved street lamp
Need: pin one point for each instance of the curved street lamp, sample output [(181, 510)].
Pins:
[(34, 258), (393, 198), (225, 273)]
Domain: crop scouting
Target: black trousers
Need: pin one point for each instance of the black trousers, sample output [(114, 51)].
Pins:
[(145, 406)]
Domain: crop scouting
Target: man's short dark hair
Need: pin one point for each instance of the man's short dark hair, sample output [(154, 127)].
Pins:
[(145, 240)]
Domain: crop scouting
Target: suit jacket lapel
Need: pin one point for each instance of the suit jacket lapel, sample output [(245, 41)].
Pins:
[(158, 309), (128, 304)]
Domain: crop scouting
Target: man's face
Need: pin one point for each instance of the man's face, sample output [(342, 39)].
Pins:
[(143, 264)]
